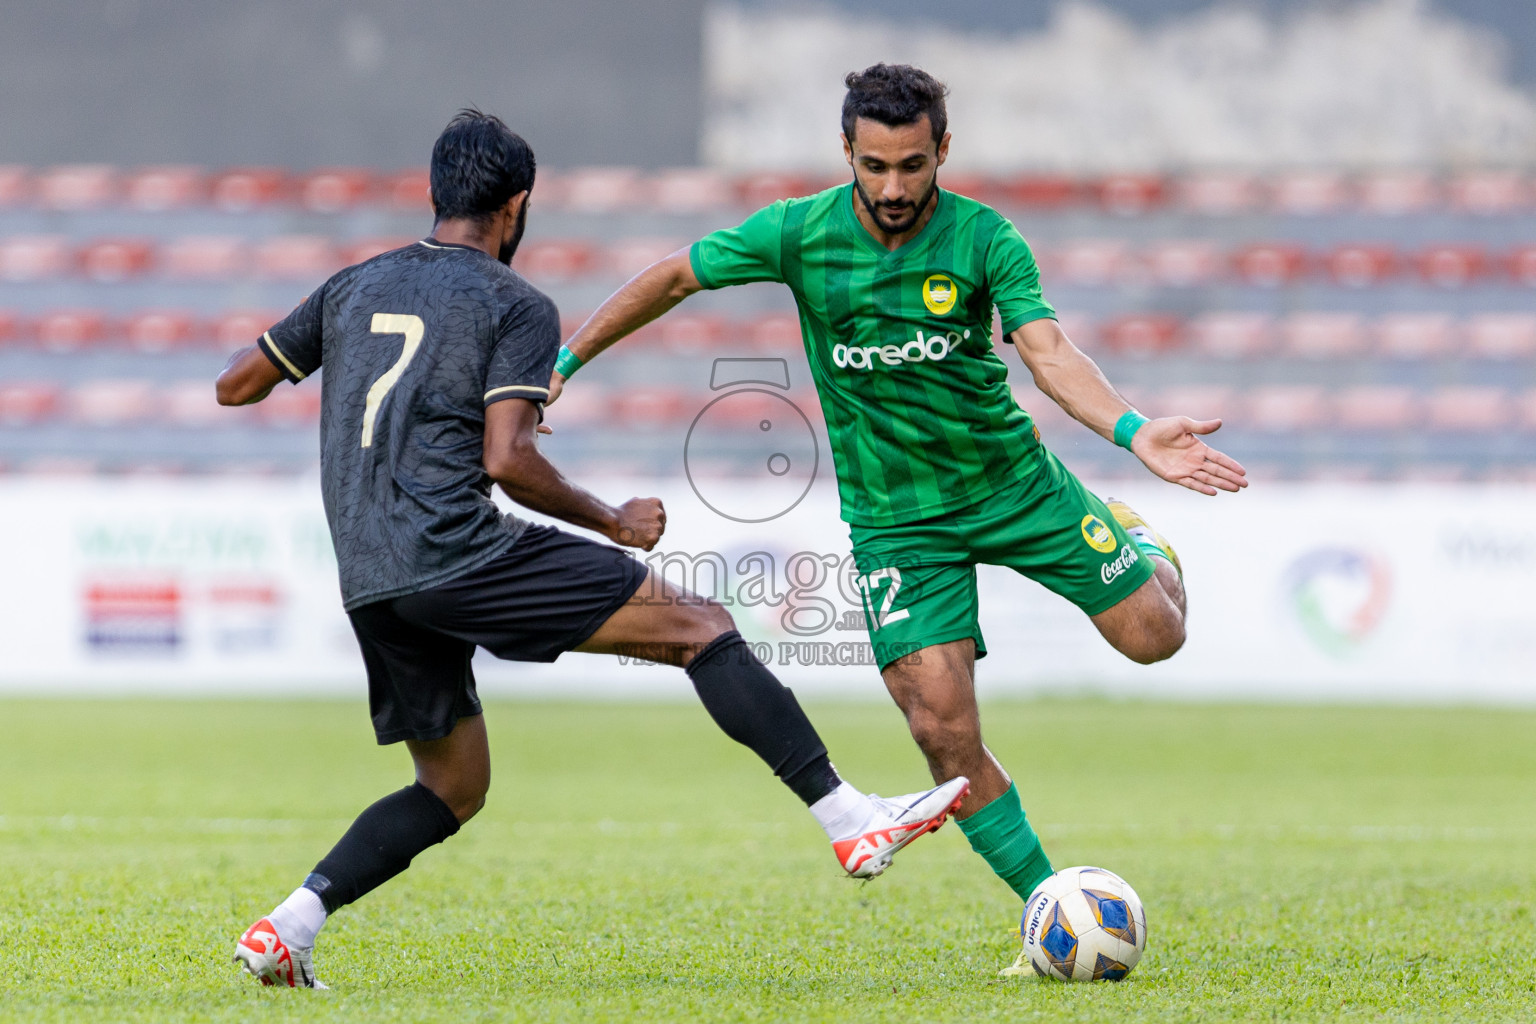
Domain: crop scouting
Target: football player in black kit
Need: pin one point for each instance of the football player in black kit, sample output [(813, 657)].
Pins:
[(437, 360)]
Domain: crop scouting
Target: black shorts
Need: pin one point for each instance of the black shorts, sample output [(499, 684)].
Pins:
[(546, 595)]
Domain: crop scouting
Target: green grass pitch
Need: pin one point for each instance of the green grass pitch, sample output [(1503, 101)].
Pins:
[(1297, 863)]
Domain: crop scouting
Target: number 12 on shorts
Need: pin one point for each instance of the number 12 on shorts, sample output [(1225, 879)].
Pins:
[(889, 580)]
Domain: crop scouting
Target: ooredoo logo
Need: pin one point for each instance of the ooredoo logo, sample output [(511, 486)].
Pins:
[(920, 349)]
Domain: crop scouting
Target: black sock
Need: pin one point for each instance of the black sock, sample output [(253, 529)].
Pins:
[(756, 710), (380, 845)]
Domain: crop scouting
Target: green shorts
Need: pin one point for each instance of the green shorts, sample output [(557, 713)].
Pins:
[(918, 580)]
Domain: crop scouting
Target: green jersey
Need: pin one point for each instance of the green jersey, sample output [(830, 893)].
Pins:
[(918, 410)]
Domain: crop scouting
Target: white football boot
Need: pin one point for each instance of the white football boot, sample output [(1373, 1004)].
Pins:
[(264, 955), (868, 850)]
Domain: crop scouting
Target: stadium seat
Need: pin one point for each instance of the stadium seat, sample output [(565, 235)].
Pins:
[(1183, 264), (160, 330), (407, 191), (981, 187), (15, 185), (1323, 335), (109, 261), (1086, 263), (1490, 192), (307, 258), (1270, 265), (191, 403), (1218, 194), (602, 190), (1482, 409), (684, 190), (692, 333), (556, 260), (1285, 408), (1198, 401), (27, 258), (334, 189), (1525, 410), (1042, 192), (1127, 195), (1452, 266), (1396, 193), (368, 248), (626, 257), (244, 189), (775, 333), (25, 403), (653, 407), (1361, 266), (204, 258), (1522, 265), (111, 402), (77, 187), (1376, 407), (239, 328), (1309, 193), (11, 325), (290, 408), (1142, 335), (1502, 335), (1232, 335), (591, 404), (770, 186), (1415, 335), (158, 189), (70, 330)]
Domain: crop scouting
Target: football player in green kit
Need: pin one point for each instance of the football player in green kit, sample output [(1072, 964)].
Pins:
[(938, 468)]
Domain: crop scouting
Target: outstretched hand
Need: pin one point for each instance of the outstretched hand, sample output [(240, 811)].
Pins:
[(1171, 448)]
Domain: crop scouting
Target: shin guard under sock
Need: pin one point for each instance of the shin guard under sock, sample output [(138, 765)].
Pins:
[(756, 710), (1002, 835), (380, 845)]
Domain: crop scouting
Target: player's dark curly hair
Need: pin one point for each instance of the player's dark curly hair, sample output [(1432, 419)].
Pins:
[(478, 163), (894, 94)]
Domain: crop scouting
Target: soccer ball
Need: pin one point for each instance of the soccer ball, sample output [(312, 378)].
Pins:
[(1084, 924)]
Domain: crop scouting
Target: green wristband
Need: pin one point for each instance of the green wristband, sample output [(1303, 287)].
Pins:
[(567, 363), (1126, 426)]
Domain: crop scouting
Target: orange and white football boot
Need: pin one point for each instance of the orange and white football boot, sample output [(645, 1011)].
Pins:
[(264, 955), (896, 823)]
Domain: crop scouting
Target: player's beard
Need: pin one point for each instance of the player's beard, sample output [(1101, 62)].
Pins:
[(509, 248), (902, 225)]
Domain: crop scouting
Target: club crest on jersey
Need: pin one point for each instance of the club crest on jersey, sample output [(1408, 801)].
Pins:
[(1099, 537), (939, 293)]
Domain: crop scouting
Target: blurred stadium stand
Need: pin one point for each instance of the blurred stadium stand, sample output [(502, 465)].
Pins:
[(1375, 326)]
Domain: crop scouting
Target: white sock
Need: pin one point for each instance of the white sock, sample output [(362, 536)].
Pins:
[(299, 918), (843, 813)]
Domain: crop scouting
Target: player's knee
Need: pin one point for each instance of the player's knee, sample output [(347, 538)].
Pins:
[(710, 619), (941, 736), (1157, 643)]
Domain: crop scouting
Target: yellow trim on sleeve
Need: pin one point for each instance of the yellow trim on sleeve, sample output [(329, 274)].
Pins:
[(544, 392), (272, 346)]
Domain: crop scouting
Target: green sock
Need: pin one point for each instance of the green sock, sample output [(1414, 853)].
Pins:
[(1001, 834), (1149, 548)]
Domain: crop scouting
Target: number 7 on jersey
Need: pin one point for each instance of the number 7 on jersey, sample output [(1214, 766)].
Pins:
[(414, 329)]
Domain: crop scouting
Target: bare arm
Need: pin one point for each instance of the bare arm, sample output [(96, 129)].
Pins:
[(1170, 446), (645, 297), (248, 377), (513, 460)]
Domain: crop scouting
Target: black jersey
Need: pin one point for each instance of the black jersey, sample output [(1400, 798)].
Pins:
[(415, 344)]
